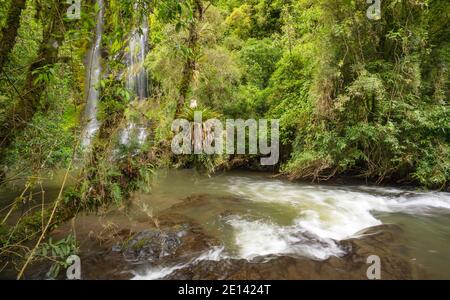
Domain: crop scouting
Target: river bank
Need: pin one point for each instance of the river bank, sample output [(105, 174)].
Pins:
[(247, 225)]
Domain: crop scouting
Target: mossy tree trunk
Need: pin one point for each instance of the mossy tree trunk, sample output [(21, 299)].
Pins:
[(191, 59), (29, 101), (9, 32)]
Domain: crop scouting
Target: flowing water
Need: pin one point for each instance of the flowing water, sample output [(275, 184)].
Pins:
[(137, 81), (93, 76), (255, 215)]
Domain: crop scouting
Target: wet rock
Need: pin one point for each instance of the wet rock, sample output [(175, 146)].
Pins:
[(385, 241), (151, 245), (381, 240), (116, 248), (179, 241), (117, 252), (194, 238)]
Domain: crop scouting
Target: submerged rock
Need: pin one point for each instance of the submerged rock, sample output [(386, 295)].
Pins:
[(177, 239), (172, 250), (381, 240), (151, 245)]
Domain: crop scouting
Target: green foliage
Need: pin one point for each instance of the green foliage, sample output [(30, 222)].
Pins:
[(255, 18), (215, 84), (188, 113), (43, 75), (45, 144), (373, 116), (240, 21), (57, 252), (4, 6), (114, 100), (21, 56), (354, 96), (259, 58)]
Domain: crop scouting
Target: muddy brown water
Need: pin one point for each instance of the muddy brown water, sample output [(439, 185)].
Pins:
[(247, 225)]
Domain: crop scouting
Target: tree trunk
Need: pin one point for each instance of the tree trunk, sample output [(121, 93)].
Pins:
[(9, 32), (28, 104), (191, 60)]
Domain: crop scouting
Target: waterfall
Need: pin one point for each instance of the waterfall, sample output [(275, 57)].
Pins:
[(137, 75), (92, 80), (137, 81)]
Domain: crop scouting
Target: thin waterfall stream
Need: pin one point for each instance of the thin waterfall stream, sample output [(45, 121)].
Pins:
[(224, 140), (94, 71), (137, 82)]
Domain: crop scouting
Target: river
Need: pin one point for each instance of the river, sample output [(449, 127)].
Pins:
[(252, 215)]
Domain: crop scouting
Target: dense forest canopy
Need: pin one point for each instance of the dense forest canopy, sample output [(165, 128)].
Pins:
[(355, 96)]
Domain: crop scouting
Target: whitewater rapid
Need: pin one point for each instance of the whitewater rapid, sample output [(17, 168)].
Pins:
[(324, 215), (327, 213)]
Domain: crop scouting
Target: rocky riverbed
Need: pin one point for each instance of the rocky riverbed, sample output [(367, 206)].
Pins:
[(242, 225), (176, 247)]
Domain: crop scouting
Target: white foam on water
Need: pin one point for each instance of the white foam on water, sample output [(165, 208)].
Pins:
[(326, 215), (213, 254), (421, 203), (258, 238), (329, 213), (158, 272)]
